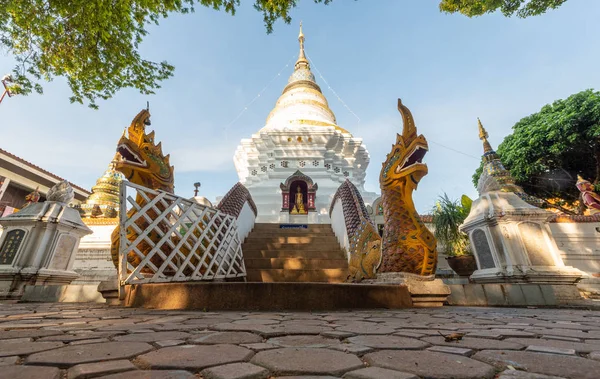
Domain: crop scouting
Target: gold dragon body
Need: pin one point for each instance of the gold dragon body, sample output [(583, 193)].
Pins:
[(142, 162), (408, 246)]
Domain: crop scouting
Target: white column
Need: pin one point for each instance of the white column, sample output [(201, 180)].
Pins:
[(4, 187)]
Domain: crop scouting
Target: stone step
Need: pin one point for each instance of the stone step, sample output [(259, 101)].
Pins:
[(284, 275), (295, 263), (303, 240), (270, 226), (266, 296), (293, 253), (293, 232), (261, 245)]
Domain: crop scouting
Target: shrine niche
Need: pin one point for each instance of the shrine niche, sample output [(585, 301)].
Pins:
[(298, 194)]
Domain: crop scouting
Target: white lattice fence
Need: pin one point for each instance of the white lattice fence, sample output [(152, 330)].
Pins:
[(166, 238)]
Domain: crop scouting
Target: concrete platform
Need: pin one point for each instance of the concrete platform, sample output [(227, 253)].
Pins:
[(516, 295), (266, 296)]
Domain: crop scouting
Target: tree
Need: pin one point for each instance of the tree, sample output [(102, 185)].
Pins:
[(94, 44), (548, 149), (521, 8), (448, 215)]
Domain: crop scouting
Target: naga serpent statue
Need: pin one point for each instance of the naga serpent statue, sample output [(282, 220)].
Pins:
[(142, 162), (407, 246)]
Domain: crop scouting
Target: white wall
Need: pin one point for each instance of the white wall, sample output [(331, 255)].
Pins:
[(579, 245)]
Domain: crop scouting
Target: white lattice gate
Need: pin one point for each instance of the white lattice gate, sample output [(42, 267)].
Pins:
[(166, 238)]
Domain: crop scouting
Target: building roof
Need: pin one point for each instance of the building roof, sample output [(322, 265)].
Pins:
[(37, 168)]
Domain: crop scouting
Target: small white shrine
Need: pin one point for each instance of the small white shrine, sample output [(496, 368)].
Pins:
[(301, 149), (509, 234), (38, 245)]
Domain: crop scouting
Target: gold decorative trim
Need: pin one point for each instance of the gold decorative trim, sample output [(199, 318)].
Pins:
[(101, 221)]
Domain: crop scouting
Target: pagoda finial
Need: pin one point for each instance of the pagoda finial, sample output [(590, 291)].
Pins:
[(302, 61), (483, 135)]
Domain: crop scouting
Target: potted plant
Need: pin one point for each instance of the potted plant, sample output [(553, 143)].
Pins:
[(448, 215)]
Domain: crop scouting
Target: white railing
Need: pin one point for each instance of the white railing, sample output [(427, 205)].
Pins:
[(172, 239)]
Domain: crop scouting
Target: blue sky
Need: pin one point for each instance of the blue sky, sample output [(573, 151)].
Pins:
[(448, 69)]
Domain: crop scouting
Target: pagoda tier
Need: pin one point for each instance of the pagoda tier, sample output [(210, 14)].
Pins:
[(301, 134)]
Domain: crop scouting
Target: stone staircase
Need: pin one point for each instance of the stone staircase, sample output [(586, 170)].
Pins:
[(272, 254)]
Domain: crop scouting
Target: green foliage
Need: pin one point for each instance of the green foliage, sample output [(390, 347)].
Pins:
[(520, 8), (448, 215), (548, 149), (94, 44)]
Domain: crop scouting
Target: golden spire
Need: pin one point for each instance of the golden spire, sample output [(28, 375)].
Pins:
[(104, 200), (483, 135), (302, 61)]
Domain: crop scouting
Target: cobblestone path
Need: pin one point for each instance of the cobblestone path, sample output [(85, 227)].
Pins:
[(51, 341)]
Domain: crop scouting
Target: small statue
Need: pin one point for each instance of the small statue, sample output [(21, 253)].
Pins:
[(61, 192), (33, 197), (299, 203), (590, 198)]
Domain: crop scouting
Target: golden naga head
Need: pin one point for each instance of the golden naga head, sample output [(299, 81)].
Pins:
[(403, 165), (141, 160)]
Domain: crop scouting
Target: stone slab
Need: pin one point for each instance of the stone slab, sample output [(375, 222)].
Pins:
[(494, 294), (548, 364), (91, 370), (577, 346), (163, 374), (294, 361), (430, 364), (457, 295), (24, 348), (227, 337), (314, 341), (74, 355), (259, 346), (71, 293), (241, 370), (152, 336), (516, 374), (514, 294), (29, 372), (475, 295), (8, 361), (451, 350), (388, 342), (168, 343), (550, 350), (194, 357), (378, 373), (352, 348), (476, 343), (9, 334)]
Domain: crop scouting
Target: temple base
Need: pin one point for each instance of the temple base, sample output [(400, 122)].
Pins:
[(425, 291), (265, 296)]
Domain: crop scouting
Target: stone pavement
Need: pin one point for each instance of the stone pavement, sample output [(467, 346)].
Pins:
[(74, 341)]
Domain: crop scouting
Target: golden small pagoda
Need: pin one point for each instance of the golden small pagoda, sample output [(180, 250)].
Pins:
[(103, 203)]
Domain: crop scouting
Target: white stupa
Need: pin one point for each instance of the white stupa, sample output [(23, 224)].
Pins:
[(301, 145)]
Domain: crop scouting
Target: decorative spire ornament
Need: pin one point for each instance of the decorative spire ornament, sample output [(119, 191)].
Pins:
[(483, 135), (302, 61)]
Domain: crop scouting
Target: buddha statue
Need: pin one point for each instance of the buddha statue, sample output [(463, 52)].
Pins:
[(590, 198), (299, 203)]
